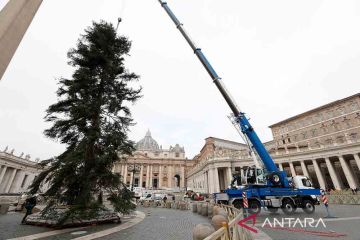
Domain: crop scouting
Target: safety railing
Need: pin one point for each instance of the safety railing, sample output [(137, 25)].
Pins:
[(182, 205), (231, 230), (344, 199)]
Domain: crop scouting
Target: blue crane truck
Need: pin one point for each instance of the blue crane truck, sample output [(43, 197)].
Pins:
[(264, 186)]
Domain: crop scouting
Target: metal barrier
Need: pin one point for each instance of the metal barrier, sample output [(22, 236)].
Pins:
[(182, 205), (344, 199), (232, 230)]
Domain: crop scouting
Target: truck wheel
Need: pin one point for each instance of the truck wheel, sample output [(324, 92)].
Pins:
[(308, 207), (237, 204), (288, 207), (254, 207), (272, 209)]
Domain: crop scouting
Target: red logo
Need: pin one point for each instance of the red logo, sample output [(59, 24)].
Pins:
[(243, 221)]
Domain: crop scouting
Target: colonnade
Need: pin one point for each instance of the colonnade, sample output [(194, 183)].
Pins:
[(212, 180), (13, 180), (334, 172), (153, 176)]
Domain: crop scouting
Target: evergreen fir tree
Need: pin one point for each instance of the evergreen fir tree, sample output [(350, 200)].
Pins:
[(92, 117)]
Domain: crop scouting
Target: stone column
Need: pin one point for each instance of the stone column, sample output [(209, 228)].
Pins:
[(216, 180), (122, 170), (150, 177), (242, 173), (19, 177), (229, 176), (333, 174), (281, 167), (125, 173), (304, 169), (12, 176), (347, 172), (141, 175), (182, 178), (160, 176), (15, 19), (147, 176), (205, 187), (210, 181), (319, 174), (2, 173), (131, 178), (292, 169), (356, 157), (170, 176)]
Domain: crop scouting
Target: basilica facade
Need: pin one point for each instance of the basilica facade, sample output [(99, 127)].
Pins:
[(323, 144), (155, 167)]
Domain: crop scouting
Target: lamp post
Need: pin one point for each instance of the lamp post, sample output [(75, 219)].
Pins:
[(134, 168)]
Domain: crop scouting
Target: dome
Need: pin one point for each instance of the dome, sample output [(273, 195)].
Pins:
[(147, 143)]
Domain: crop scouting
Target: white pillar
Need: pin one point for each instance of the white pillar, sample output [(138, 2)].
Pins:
[(333, 174), (160, 176), (292, 169), (210, 181), (125, 174), (15, 19), (182, 177), (170, 176), (122, 170), (147, 176), (348, 173), (150, 177), (141, 175), (281, 167), (131, 178), (2, 173), (205, 183), (229, 176), (319, 174), (304, 169), (216, 180), (356, 157), (11, 180), (19, 177)]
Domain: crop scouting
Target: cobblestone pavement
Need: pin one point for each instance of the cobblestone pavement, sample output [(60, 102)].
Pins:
[(162, 224), (159, 223), (347, 223), (172, 224), (10, 226)]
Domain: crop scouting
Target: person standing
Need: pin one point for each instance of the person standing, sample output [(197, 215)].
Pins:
[(29, 205)]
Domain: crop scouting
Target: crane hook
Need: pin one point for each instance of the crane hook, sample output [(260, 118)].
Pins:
[(119, 21)]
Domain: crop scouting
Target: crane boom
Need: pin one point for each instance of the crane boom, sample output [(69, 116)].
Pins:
[(245, 126)]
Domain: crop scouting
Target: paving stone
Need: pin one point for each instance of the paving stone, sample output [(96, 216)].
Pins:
[(162, 223), (10, 226)]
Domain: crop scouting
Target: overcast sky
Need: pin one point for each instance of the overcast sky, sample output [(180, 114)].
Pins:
[(277, 58)]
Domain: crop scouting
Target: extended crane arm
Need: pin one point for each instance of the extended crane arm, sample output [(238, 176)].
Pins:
[(245, 126), (234, 108)]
